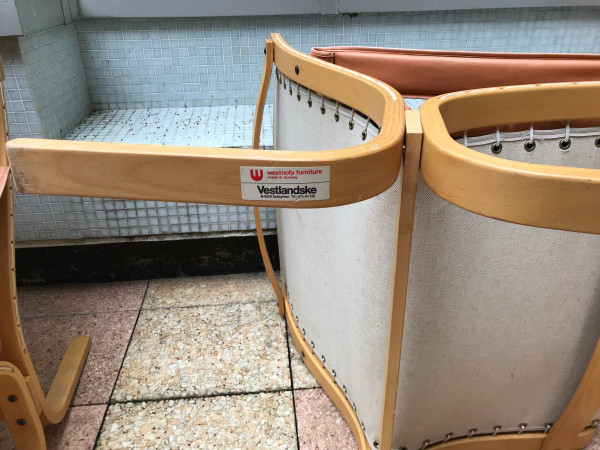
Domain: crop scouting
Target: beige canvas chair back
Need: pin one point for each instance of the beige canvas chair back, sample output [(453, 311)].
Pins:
[(500, 320)]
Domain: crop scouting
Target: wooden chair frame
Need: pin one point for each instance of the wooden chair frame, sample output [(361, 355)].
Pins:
[(558, 197), (22, 401), (171, 174)]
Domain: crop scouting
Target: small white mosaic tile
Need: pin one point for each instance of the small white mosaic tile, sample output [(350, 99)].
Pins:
[(216, 126)]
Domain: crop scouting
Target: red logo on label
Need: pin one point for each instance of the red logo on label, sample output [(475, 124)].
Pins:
[(256, 174)]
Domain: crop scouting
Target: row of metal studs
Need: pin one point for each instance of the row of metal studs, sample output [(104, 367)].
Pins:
[(282, 80), (497, 429), (529, 144), (332, 372), (426, 443)]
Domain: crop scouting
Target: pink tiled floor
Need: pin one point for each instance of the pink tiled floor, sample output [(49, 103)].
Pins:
[(112, 409), (320, 425)]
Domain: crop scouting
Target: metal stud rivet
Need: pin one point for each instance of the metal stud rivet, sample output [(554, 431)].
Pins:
[(298, 96), (529, 146), (310, 102), (12, 398), (496, 148), (364, 135), (564, 144), (376, 444), (336, 116), (297, 70), (351, 124), (322, 109), (597, 142)]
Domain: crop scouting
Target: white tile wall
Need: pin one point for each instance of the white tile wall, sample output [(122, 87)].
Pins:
[(123, 66)]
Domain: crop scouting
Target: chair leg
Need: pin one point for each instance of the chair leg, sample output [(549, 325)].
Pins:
[(18, 409), (63, 387)]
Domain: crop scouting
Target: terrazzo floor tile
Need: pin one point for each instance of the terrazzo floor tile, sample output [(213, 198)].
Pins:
[(208, 290), (595, 444), (264, 421), (205, 350), (77, 431), (62, 299), (47, 339), (301, 376), (320, 425)]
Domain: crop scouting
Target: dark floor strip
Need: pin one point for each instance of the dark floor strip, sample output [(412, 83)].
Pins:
[(142, 260)]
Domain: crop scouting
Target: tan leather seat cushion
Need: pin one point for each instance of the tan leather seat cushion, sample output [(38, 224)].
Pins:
[(427, 73)]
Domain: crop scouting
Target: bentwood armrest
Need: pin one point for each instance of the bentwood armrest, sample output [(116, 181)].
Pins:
[(563, 198), (213, 175)]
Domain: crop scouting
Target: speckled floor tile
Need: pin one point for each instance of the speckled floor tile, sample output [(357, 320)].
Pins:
[(320, 425), (47, 339), (301, 376), (264, 421), (61, 299), (205, 350), (208, 290), (595, 444), (77, 431)]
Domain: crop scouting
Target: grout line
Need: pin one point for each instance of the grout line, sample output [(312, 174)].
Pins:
[(308, 388), (201, 397), (88, 404), (89, 313), (244, 302), (122, 361), (287, 340)]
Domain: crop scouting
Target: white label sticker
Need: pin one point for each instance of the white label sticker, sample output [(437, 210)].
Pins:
[(285, 183)]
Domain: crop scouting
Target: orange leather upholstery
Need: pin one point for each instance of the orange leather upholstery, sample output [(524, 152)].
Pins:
[(427, 73)]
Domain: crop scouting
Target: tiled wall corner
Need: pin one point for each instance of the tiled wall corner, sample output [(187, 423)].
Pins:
[(23, 119), (153, 63), (57, 78)]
